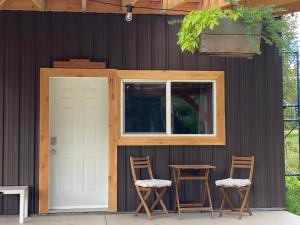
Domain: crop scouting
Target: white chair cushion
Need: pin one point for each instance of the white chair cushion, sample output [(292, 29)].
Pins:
[(229, 182), (153, 183)]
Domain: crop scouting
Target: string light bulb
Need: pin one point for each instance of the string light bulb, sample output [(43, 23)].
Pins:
[(128, 16)]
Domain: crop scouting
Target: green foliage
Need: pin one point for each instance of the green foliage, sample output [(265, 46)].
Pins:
[(292, 166), (293, 194), (196, 22), (185, 118), (291, 152), (289, 67), (271, 26)]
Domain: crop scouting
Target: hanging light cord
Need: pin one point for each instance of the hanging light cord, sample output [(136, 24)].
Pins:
[(139, 7)]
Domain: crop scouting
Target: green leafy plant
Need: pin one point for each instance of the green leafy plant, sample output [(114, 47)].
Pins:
[(293, 194), (196, 22)]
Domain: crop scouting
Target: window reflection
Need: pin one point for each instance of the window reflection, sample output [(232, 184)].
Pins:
[(145, 107), (192, 107)]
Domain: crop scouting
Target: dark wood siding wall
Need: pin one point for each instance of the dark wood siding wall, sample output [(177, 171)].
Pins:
[(29, 41)]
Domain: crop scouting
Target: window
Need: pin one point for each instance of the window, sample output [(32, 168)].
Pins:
[(168, 107), (192, 107), (171, 108), (144, 107)]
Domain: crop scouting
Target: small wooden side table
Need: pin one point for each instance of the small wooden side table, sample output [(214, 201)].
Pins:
[(176, 170)]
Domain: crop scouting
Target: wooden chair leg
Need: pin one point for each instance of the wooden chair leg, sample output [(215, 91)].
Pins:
[(138, 209), (144, 203), (156, 200), (244, 203), (162, 203), (223, 191), (247, 205), (221, 208), (159, 200)]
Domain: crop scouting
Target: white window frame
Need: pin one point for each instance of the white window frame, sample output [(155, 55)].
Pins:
[(168, 132)]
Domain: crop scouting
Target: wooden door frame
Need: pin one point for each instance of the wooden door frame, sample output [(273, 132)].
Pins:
[(113, 90)]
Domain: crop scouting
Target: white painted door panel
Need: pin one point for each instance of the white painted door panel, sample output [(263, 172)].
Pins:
[(79, 143)]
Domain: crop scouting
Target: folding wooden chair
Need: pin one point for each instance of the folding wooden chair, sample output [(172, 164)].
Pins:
[(242, 186), (159, 187)]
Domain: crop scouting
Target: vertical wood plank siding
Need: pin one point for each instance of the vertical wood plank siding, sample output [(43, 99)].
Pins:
[(2, 52), (254, 120)]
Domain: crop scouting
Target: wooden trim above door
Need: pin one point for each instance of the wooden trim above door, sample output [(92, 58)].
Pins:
[(113, 87), (79, 64)]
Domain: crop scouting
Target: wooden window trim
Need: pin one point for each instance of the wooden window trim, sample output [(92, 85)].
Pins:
[(114, 86), (217, 76)]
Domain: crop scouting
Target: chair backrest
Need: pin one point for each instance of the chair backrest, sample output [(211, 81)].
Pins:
[(242, 163), (140, 163)]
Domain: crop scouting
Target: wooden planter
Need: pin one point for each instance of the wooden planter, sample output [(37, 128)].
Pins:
[(229, 39)]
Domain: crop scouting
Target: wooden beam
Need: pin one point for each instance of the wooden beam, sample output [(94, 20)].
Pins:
[(80, 64), (83, 5), (278, 3), (269, 2), (252, 3), (291, 7), (199, 5), (114, 132), (43, 143), (129, 2), (171, 4), (207, 4), (93, 6), (2, 2), (41, 4)]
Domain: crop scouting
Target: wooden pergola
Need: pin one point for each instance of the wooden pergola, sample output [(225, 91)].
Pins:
[(142, 6)]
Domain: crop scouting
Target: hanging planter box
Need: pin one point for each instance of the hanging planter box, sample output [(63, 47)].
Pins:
[(229, 39)]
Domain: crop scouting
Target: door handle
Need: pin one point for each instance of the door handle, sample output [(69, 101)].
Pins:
[(53, 140), (53, 151)]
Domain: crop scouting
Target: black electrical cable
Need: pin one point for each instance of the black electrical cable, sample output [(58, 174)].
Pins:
[(139, 7)]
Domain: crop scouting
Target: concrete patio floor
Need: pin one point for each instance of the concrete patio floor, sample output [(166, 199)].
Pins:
[(258, 218)]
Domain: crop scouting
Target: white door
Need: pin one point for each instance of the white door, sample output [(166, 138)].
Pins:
[(78, 148)]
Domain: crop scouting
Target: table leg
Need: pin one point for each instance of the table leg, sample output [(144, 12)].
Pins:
[(175, 185), (208, 192), (204, 194), (176, 175), (26, 203), (178, 195), (21, 219)]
